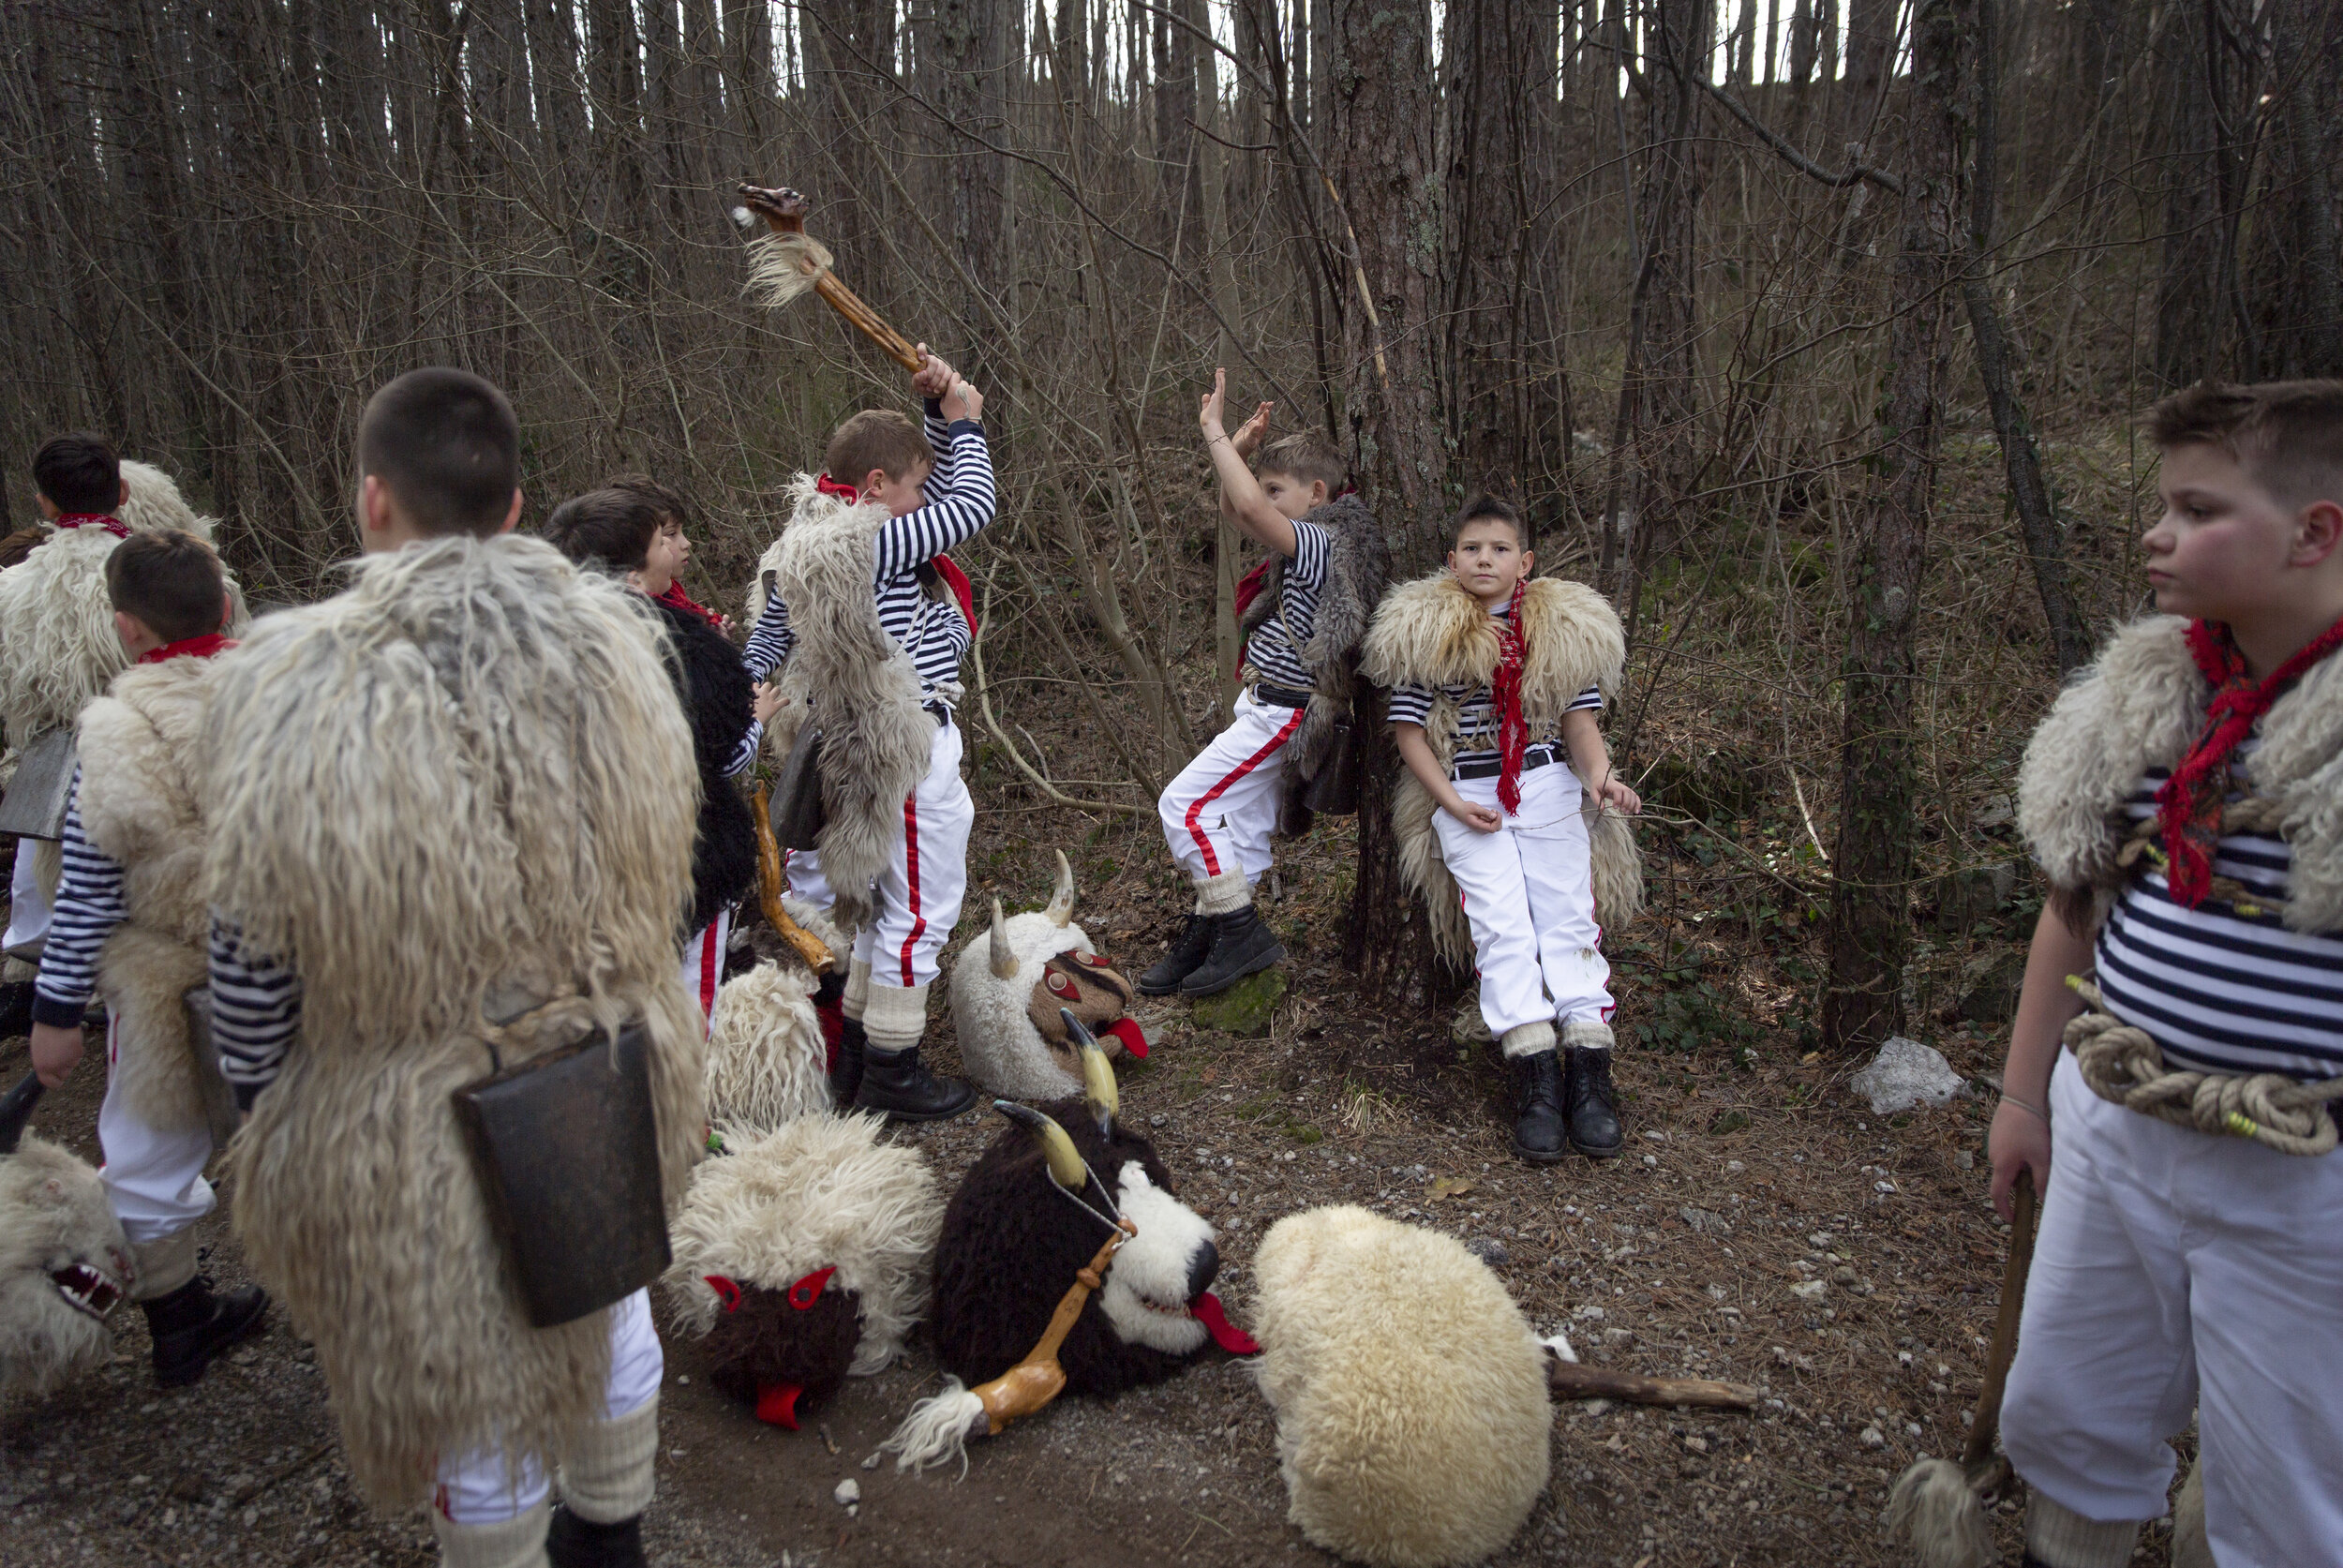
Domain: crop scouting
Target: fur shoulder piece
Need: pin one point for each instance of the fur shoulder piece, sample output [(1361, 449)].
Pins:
[(155, 505), (141, 750), (1432, 633), (2142, 706), (860, 684)]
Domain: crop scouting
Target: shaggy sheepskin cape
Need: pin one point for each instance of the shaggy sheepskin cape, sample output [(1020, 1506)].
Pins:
[(768, 1063), (1432, 633), (57, 643), (719, 700), (54, 1219), (2142, 706), (1412, 1421), (453, 794), (1010, 1247), (820, 1193), (142, 804), (1358, 569), (860, 683)]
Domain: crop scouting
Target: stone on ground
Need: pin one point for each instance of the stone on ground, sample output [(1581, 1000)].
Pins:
[(1905, 1073)]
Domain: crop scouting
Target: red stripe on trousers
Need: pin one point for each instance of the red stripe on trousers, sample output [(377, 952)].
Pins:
[(711, 970), (1212, 861), (911, 876)]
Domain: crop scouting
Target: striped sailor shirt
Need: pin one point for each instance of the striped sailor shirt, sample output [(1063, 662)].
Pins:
[(1274, 651), (2224, 987), (1476, 714), (959, 502), (90, 904)]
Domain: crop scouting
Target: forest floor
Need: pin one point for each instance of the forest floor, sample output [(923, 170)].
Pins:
[(1765, 1227)]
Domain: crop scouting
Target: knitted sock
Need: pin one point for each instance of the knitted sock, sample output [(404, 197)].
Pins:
[(1587, 1034), (1528, 1040), (2059, 1537), (858, 988), (606, 1475), (895, 1016), (162, 1265), (1224, 894), (518, 1541)]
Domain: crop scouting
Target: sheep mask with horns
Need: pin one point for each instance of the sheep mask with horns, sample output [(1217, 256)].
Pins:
[(1006, 1006), (64, 1264)]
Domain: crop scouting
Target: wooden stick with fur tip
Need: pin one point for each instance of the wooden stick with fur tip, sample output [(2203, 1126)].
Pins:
[(812, 949), (793, 251)]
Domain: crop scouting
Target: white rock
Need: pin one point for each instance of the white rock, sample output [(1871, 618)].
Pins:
[(1810, 1290), (849, 1492), (1873, 1438), (1905, 1073)]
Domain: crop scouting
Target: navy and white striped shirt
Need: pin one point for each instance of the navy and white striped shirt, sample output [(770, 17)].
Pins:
[(1274, 651), (256, 1013), (1476, 714), (2219, 988), (90, 904), (959, 502)]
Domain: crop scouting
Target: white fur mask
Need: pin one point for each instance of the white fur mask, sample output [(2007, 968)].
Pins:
[(1147, 1291), (62, 1265)]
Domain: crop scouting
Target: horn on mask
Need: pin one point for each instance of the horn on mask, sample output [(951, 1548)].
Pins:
[(1004, 962), (1100, 1090), (1062, 901), (1065, 1162)]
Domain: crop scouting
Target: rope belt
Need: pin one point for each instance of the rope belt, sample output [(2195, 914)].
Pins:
[(2123, 1064)]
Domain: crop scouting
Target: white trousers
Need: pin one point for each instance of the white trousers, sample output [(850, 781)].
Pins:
[(703, 966), (1218, 813), (1528, 892), (918, 896), (2177, 1269), (154, 1179), (28, 901), (481, 1489)]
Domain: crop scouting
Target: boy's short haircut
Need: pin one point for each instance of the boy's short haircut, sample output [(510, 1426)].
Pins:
[(2287, 436), (882, 439), (611, 527), (1305, 456), (446, 443), (1483, 507), (669, 503), (79, 472), (171, 581)]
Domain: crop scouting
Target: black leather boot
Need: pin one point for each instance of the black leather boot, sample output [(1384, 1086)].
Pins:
[(1590, 1104), (895, 1082), (1241, 946), (1537, 1107), (191, 1326), (846, 1063), (572, 1541), (1187, 951)]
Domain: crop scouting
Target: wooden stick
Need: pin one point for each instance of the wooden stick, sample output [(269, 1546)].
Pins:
[(809, 948), (1985, 1424), (1574, 1380), (1036, 1381), (783, 210)]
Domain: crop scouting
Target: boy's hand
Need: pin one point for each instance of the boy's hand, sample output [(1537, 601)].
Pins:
[(934, 377), (1208, 416), (767, 702), (1480, 819), (55, 1052), (1614, 793), (2020, 1141), (964, 402), (1249, 435)]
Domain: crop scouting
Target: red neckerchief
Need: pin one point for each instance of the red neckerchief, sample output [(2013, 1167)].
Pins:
[(825, 486), (1248, 588), (1513, 731), (98, 519), (676, 599), (2188, 804), (190, 647)]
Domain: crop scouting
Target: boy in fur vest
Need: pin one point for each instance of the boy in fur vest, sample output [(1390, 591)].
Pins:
[(1510, 823), (870, 618), (2185, 800), (128, 922), (1327, 566), (451, 828)]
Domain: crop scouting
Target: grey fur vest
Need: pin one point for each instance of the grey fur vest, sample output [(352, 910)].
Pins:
[(2142, 706)]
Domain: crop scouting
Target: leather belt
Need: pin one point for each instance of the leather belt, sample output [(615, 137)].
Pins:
[(1535, 757), (1279, 697)]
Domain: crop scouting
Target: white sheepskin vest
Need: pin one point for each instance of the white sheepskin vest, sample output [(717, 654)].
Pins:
[(466, 783), (2142, 706), (142, 755), (1432, 633)]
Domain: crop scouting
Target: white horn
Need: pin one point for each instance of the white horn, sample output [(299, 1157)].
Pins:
[(1003, 962), (1062, 901)]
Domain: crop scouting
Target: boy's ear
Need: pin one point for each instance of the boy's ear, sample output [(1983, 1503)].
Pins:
[(1319, 495), (872, 480), (2318, 530), (512, 513), (125, 495)]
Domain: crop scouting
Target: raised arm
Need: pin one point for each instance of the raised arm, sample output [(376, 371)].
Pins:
[(1242, 498)]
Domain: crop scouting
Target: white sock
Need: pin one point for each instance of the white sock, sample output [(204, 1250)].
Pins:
[(2062, 1538)]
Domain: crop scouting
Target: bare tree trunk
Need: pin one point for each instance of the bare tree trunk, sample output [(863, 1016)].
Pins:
[(1869, 932), (2189, 270), (2304, 34), (1871, 48)]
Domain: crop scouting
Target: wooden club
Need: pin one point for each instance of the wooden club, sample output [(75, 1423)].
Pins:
[(789, 262)]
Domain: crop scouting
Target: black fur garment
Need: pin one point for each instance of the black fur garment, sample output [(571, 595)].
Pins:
[(766, 1340), (719, 700), (1010, 1247)]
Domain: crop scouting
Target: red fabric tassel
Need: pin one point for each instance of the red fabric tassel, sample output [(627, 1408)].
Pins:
[(1248, 588), (962, 589), (1134, 1038), (1513, 731), (1206, 1310), (2188, 804), (826, 485), (93, 519), (190, 647)]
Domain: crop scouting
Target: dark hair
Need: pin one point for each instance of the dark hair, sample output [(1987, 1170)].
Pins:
[(79, 472), (1480, 508), (170, 580), (669, 503), (1305, 456), (446, 443), (880, 439), (2286, 435), (610, 527)]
